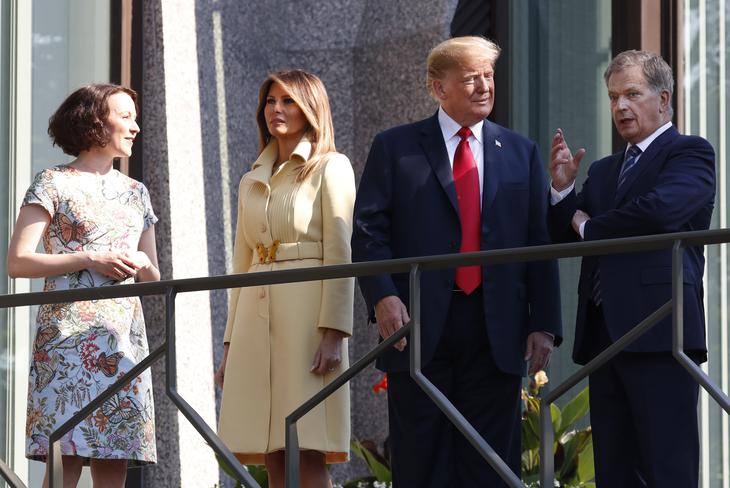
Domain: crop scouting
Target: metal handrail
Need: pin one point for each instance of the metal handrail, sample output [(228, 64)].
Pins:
[(413, 265), (441, 401), (291, 453), (547, 472), (55, 465), (402, 265), (54, 458), (674, 306), (547, 468), (194, 417)]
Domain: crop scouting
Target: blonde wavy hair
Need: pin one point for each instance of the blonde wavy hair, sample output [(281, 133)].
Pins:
[(453, 53), (310, 95)]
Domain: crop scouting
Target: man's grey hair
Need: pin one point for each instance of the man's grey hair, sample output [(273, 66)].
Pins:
[(656, 71)]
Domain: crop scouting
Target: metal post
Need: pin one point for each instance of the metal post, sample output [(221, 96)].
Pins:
[(415, 314), (193, 417), (291, 457), (54, 465), (220, 449), (291, 449), (678, 331), (443, 403), (678, 297), (547, 440), (547, 467), (471, 434), (171, 360)]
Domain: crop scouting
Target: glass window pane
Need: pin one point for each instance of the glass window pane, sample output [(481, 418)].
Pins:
[(71, 48), (558, 52), (5, 359), (706, 85)]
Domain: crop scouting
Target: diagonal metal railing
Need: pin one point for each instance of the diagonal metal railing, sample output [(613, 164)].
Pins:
[(673, 307), (547, 472), (414, 266)]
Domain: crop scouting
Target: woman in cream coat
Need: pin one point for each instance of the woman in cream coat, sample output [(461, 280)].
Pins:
[(283, 343)]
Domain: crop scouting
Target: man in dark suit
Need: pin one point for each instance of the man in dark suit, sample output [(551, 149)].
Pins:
[(643, 403), (457, 182)]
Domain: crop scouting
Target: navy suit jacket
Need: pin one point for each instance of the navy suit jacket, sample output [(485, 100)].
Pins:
[(671, 189), (406, 206)]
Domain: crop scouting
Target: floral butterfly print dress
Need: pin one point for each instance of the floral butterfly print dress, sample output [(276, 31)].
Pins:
[(81, 348)]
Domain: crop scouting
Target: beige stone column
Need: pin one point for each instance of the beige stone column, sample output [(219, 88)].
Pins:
[(174, 173)]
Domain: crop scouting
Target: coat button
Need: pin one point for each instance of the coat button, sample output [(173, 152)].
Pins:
[(263, 228), (262, 292)]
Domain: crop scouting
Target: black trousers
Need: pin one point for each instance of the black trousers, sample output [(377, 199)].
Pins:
[(643, 409), (426, 450)]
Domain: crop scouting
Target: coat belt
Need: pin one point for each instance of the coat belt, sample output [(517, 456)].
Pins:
[(287, 251)]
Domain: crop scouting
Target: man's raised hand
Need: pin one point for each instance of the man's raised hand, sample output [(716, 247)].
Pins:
[(563, 164)]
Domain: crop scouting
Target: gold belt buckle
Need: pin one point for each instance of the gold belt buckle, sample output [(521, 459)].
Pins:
[(267, 255)]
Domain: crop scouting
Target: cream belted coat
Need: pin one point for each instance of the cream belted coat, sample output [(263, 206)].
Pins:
[(274, 331)]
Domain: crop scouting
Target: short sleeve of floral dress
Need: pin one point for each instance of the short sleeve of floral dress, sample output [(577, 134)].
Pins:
[(81, 348)]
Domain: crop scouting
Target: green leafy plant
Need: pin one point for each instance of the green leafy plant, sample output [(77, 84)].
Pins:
[(572, 448), (381, 475), (258, 473)]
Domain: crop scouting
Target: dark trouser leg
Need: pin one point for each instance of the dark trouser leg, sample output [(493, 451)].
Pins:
[(663, 400), (614, 437), (644, 419), (488, 398), (426, 450), (420, 435)]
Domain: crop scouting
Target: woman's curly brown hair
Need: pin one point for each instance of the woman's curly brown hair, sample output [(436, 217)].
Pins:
[(80, 122)]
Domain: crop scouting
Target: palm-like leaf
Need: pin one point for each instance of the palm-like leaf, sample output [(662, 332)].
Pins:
[(379, 470)]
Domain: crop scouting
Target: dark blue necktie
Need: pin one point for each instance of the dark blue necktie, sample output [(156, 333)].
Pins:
[(597, 286), (629, 162)]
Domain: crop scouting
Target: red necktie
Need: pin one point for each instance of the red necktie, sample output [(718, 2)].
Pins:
[(466, 178)]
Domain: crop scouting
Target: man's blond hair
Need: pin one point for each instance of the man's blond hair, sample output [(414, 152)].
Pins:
[(455, 52)]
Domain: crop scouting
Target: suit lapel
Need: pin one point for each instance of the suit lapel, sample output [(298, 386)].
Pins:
[(432, 141), (645, 161), (493, 159)]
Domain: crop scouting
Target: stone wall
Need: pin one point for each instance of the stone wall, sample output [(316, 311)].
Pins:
[(204, 62)]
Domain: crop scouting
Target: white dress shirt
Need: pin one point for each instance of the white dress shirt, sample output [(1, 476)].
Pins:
[(450, 129)]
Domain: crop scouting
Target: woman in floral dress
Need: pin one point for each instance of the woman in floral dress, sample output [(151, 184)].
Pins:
[(97, 229)]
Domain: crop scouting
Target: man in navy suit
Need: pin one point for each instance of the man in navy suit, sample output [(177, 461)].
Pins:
[(643, 403), (457, 182)]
